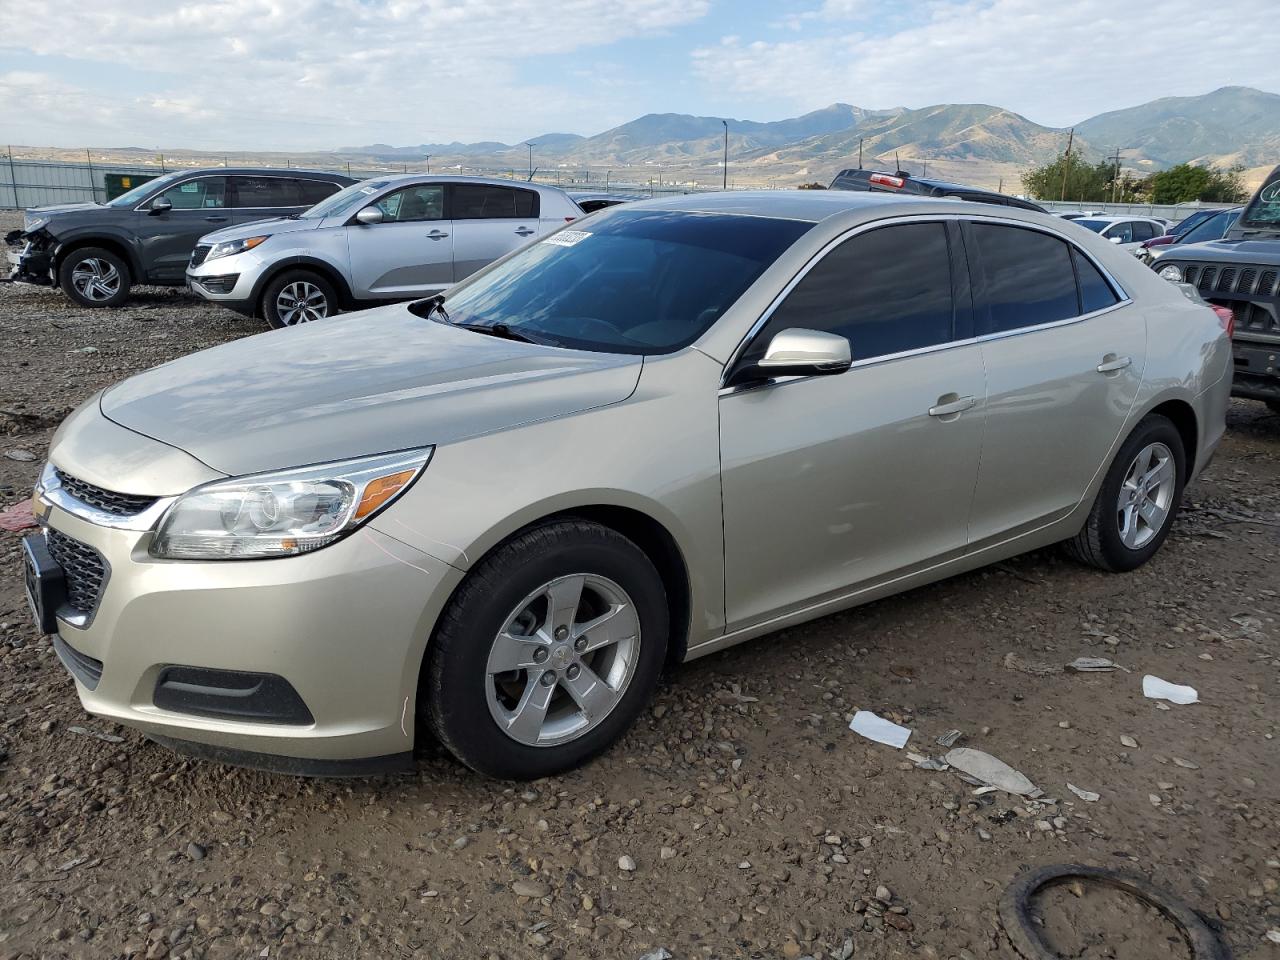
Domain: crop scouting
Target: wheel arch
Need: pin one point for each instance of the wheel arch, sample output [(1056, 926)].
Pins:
[(120, 247), (322, 267), (1183, 417)]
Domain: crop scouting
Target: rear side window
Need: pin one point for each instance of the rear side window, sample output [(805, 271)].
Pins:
[(266, 192), (481, 201), (1095, 292), (886, 291), (313, 191), (1028, 278)]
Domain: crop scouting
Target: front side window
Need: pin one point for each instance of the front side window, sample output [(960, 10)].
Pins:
[(420, 202), (132, 198), (1028, 278), (258, 193), (480, 201), (203, 193), (346, 201), (886, 291), (629, 281), (1121, 231)]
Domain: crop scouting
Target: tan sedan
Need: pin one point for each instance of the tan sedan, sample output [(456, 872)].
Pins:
[(669, 428)]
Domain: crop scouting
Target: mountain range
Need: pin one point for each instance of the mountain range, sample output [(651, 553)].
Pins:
[(977, 142)]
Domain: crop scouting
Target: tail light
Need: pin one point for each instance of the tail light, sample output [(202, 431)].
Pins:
[(1226, 317), (884, 180)]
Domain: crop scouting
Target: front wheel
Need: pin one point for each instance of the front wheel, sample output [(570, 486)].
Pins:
[(1138, 499), (298, 296), (548, 651), (94, 277)]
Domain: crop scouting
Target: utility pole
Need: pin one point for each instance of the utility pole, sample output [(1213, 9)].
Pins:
[(1115, 181), (724, 183), (427, 157), (530, 145), (93, 187), (859, 153), (1000, 189), (13, 179), (1066, 162)]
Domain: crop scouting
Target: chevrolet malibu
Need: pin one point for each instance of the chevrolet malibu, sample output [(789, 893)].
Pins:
[(498, 513)]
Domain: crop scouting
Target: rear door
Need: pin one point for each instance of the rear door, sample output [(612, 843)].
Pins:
[(200, 206), (407, 255), (489, 221), (1064, 357)]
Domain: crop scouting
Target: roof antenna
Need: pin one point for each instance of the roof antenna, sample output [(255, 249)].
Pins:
[(897, 165)]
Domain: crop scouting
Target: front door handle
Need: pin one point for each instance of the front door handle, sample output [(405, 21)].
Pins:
[(436, 235), (216, 219), (525, 232), (1111, 363), (950, 405)]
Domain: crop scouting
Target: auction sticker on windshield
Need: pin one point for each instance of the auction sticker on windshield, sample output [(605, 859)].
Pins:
[(567, 238)]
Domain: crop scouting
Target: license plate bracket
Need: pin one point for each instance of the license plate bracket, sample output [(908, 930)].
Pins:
[(45, 582)]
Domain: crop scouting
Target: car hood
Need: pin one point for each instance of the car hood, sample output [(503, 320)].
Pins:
[(54, 209), (1265, 251), (358, 384), (271, 226)]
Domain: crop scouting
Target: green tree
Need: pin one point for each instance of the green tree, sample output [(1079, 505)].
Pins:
[(1186, 183), (1085, 182)]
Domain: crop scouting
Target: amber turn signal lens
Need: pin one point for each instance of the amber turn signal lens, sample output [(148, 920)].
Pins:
[(381, 490)]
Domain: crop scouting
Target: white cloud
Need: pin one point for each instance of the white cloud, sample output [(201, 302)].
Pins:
[(1054, 62), (316, 73)]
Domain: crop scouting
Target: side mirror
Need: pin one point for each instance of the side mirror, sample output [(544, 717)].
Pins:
[(160, 205), (798, 353), (1115, 239), (370, 215)]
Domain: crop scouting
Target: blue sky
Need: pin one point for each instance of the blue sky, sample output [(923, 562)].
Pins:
[(302, 74)]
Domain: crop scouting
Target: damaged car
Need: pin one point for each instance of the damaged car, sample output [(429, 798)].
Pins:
[(97, 251)]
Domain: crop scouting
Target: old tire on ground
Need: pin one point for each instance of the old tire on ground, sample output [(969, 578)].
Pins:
[(547, 652), (297, 296), (94, 277), (1139, 497), (1023, 931)]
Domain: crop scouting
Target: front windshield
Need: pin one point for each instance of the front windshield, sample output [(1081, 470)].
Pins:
[(1215, 228), (344, 201), (1097, 226), (1193, 220), (1264, 211), (638, 281), (144, 190)]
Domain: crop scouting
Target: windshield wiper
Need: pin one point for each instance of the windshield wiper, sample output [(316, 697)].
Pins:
[(502, 331)]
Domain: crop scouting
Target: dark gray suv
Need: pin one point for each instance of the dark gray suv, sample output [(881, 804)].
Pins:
[(96, 251)]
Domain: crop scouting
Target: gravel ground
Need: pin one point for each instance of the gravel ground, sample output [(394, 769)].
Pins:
[(740, 818)]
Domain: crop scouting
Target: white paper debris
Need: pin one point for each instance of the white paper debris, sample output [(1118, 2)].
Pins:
[(879, 729), (991, 770), (1156, 689), (1088, 796)]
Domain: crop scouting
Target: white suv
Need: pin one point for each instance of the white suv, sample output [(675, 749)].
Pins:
[(390, 238)]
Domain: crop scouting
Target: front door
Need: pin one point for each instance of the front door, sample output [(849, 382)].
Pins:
[(1064, 361), (199, 206), (408, 254), (489, 221), (835, 482)]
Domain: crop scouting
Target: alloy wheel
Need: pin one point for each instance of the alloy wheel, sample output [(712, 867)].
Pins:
[(95, 279), (563, 660), (300, 302), (1146, 494)]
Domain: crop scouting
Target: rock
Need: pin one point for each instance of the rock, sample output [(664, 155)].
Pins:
[(792, 950), (530, 888), (626, 864), (898, 921), (667, 853), (1273, 936), (1127, 741), (884, 894), (195, 851), (20, 455), (461, 842), (1186, 764)]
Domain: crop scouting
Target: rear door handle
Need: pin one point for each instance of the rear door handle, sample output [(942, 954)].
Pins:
[(525, 232), (436, 235), (216, 219), (947, 408), (1111, 363)]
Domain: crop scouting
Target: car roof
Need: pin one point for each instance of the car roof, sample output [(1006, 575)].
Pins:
[(811, 205), (259, 171), (392, 178), (1112, 218)]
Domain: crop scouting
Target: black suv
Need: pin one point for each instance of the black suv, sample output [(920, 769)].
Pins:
[(1242, 271), (905, 183), (96, 251)]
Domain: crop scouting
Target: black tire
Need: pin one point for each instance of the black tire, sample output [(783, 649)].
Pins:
[(269, 305), (453, 694), (103, 274), (1099, 543)]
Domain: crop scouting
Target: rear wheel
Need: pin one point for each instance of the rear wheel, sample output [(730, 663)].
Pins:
[(547, 652), (1274, 406), (94, 277), (1138, 499), (298, 296)]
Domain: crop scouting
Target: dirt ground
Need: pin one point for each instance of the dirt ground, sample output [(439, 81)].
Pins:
[(755, 822)]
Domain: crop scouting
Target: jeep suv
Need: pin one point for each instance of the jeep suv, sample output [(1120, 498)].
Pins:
[(1242, 271), (96, 251)]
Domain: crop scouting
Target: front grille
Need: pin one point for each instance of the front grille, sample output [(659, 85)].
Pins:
[(1252, 292), (199, 253), (83, 569), (108, 501)]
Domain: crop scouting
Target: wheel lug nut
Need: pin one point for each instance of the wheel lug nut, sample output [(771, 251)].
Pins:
[(572, 672), (580, 644), (549, 678), (562, 633), (540, 655)]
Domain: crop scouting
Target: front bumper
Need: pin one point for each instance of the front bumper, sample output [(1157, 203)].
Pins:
[(229, 281), (29, 263), (345, 627)]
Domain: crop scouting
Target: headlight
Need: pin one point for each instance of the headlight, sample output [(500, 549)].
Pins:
[(35, 224), (228, 247), (283, 513), (1172, 272)]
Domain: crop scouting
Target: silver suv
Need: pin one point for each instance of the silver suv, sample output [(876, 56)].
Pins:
[(392, 238)]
